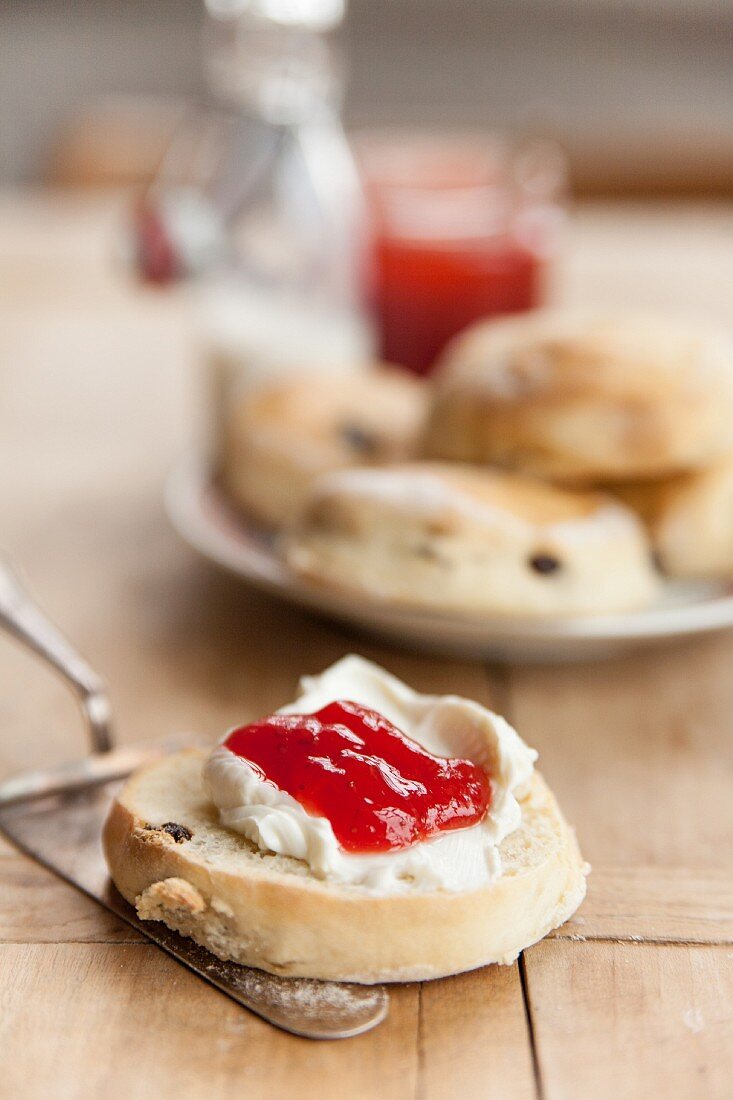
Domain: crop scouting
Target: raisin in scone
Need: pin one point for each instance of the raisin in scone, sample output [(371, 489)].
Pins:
[(584, 398), (471, 540), (276, 439)]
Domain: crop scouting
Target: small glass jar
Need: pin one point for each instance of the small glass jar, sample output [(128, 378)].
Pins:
[(463, 227)]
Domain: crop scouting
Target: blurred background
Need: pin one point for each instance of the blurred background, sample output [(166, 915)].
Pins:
[(639, 92)]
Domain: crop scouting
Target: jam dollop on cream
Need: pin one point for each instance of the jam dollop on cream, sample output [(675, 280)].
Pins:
[(430, 784), (380, 790)]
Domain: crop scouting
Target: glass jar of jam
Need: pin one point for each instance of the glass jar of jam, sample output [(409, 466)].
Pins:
[(463, 227)]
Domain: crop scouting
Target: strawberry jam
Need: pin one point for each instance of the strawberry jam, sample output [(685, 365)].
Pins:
[(379, 789)]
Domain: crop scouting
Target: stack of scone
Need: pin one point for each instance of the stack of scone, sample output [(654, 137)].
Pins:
[(640, 406), (549, 464)]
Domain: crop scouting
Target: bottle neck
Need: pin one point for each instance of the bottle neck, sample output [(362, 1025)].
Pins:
[(278, 73)]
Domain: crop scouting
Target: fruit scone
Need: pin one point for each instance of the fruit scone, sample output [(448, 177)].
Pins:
[(362, 833), (585, 398), (277, 438), (471, 540)]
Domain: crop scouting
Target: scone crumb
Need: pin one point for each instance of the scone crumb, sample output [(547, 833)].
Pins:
[(170, 893)]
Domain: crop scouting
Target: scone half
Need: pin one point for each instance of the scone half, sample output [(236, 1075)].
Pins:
[(471, 541), (169, 856)]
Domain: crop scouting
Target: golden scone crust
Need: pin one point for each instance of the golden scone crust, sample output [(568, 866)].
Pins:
[(276, 439), (690, 519), (585, 398), (269, 912), (471, 540)]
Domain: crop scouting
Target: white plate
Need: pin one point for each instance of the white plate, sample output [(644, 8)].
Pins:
[(203, 517)]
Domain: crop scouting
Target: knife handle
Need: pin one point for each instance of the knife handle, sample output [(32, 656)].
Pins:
[(23, 619)]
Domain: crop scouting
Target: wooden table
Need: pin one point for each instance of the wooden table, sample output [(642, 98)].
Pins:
[(632, 998)]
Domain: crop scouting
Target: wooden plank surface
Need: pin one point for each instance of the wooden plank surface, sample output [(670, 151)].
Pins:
[(468, 1039), (473, 1039), (661, 904), (613, 735), (99, 393), (620, 1021), (158, 1031)]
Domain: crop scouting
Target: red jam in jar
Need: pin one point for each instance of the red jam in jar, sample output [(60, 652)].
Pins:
[(429, 290), (379, 789), (462, 229)]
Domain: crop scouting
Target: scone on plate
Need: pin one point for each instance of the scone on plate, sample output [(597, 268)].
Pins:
[(277, 438), (471, 540), (363, 833), (690, 520), (585, 398)]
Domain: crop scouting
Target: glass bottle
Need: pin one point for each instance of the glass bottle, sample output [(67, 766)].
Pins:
[(259, 201)]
